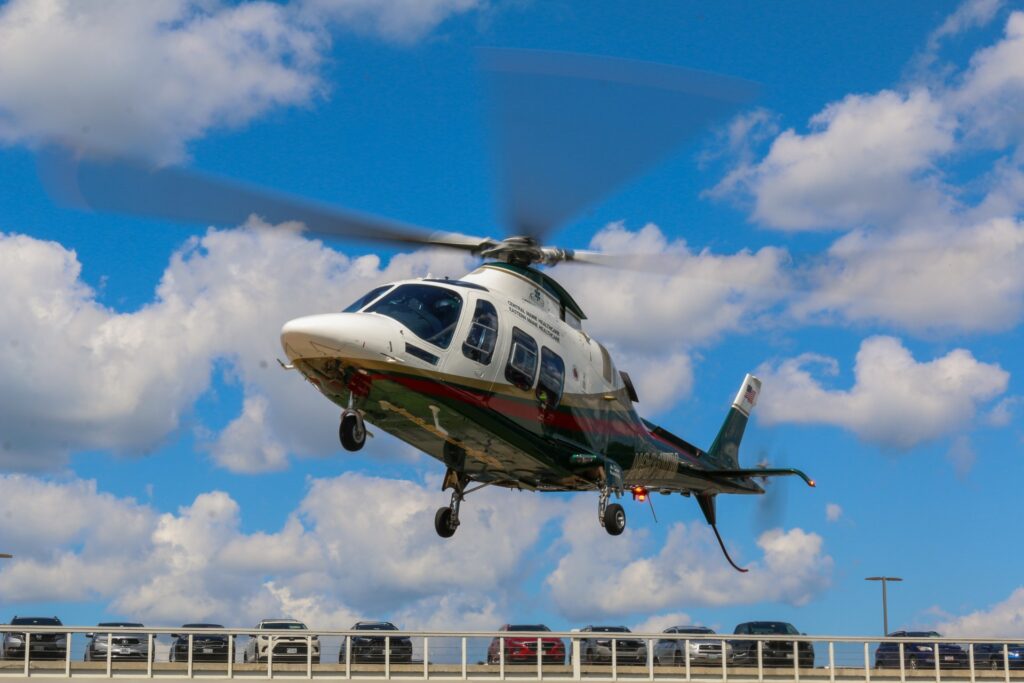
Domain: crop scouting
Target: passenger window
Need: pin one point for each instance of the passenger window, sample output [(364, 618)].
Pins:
[(522, 360), (606, 363), (570, 318), (483, 333), (552, 378)]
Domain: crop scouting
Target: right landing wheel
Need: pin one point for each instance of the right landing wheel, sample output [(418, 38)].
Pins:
[(443, 523), (352, 432), (614, 519)]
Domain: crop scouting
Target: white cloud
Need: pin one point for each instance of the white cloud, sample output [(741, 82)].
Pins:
[(1002, 619), (76, 375), (991, 93), (833, 512), (867, 159), (970, 14), (324, 565), (659, 622), (929, 279), (591, 582), (1002, 413), (401, 21), (661, 380), (144, 78), (961, 455), (895, 401)]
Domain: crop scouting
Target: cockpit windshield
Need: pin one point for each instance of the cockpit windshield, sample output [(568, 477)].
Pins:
[(366, 298), (430, 312)]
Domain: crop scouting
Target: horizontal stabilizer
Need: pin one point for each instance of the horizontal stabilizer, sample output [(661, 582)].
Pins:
[(759, 472)]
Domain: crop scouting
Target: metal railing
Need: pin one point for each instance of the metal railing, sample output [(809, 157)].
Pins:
[(176, 653)]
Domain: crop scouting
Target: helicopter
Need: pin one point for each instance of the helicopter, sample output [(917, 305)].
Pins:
[(494, 373)]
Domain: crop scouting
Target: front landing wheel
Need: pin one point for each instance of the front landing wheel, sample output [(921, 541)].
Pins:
[(443, 523), (614, 519), (352, 432)]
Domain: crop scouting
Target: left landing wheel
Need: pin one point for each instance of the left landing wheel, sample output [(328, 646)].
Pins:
[(443, 523), (352, 431), (614, 519)]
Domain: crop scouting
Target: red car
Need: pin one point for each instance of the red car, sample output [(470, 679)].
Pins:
[(523, 649)]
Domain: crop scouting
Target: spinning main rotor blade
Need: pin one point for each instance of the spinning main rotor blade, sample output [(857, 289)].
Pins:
[(123, 186), (571, 128)]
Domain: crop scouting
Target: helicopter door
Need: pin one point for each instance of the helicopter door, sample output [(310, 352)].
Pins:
[(480, 343)]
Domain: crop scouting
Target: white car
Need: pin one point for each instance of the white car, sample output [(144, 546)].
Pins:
[(284, 647), (703, 652)]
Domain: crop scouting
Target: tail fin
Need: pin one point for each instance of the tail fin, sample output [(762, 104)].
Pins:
[(725, 451)]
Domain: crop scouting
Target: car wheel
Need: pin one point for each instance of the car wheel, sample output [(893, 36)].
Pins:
[(995, 664), (677, 659), (912, 664)]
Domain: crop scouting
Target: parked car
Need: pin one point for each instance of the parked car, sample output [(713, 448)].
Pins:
[(371, 648), (990, 655), (285, 648), (598, 650), (206, 647), (121, 645), (523, 650), (919, 655), (43, 645), (672, 651), (773, 652)]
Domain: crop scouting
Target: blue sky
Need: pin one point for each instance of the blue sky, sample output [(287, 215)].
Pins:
[(159, 466)]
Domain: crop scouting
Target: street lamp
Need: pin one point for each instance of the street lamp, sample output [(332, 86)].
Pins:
[(885, 602)]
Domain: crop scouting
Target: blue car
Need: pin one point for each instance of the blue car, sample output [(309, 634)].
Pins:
[(919, 655), (990, 655)]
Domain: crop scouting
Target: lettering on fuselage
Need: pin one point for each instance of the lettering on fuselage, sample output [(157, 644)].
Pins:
[(653, 464), (535, 320)]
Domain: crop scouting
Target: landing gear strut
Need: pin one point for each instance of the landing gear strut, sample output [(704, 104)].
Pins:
[(352, 431), (446, 520), (612, 517)]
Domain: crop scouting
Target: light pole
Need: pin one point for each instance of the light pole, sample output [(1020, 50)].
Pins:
[(885, 599)]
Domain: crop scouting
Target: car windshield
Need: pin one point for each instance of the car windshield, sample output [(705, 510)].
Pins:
[(122, 624), (202, 626), (35, 621), (610, 629), (685, 629), (430, 312), (772, 628), (528, 627), (378, 626), (285, 624), (923, 634), (359, 303)]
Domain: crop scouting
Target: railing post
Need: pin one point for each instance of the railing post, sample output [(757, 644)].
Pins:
[(760, 660), (1006, 661), (309, 656), (540, 654), (464, 676), (270, 656), (938, 660), (970, 659), (150, 655), (867, 662), (190, 639), (903, 664), (650, 659), (686, 650), (725, 673), (231, 655), (796, 660), (67, 654), (501, 657), (387, 656), (577, 669), (110, 654), (28, 649), (615, 658), (426, 657), (831, 662), (348, 656)]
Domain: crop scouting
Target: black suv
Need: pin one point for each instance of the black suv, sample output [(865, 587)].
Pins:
[(370, 649), (920, 654), (774, 652), (43, 645), (206, 647)]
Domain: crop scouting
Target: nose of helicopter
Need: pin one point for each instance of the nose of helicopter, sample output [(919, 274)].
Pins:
[(332, 335)]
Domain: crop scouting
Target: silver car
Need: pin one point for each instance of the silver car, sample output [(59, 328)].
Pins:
[(121, 645), (284, 648), (703, 652), (597, 649)]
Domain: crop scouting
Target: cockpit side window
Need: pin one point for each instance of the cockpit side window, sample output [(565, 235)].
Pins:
[(359, 303), (606, 363), (552, 378), (430, 312), (522, 360), (483, 333)]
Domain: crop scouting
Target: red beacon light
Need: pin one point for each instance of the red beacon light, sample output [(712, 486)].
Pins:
[(640, 493)]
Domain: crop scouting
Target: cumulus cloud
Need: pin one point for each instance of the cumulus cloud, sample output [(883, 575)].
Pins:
[(895, 401), (1005, 618), (77, 375), (590, 583), (398, 20), (970, 14), (323, 565)]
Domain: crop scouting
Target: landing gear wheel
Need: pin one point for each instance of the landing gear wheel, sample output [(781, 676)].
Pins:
[(352, 431), (614, 519), (443, 523)]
